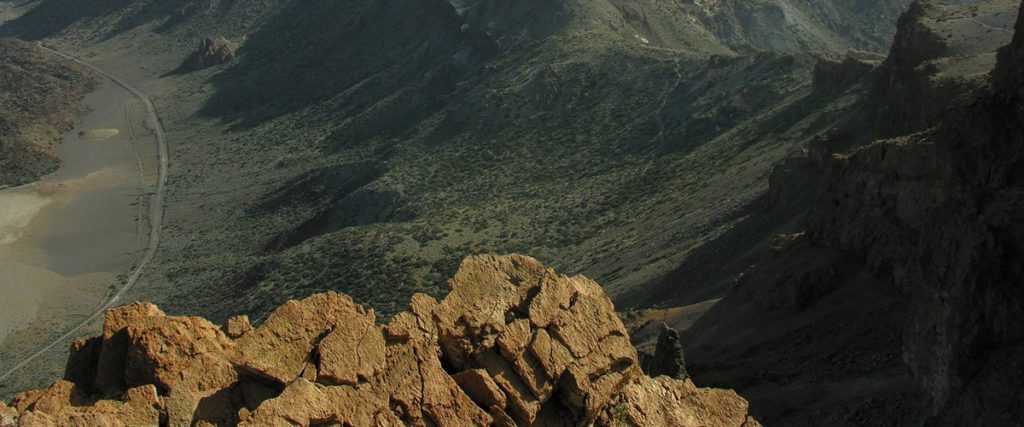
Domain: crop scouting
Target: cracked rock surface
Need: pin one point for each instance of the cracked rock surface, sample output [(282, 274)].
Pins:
[(513, 343)]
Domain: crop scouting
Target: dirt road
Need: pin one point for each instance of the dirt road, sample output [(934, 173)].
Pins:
[(156, 211)]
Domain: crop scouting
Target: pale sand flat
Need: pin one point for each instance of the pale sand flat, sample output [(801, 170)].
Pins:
[(98, 134), (17, 209), (65, 238), (23, 289)]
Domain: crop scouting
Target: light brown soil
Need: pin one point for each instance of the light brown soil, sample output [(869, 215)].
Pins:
[(98, 134)]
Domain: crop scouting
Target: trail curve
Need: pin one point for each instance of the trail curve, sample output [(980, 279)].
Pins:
[(156, 212)]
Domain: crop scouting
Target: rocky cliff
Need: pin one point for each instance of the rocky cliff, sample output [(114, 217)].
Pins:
[(512, 344), (937, 215), (910, 264), (940, 56)]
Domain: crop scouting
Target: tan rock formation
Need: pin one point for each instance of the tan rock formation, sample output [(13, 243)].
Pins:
[(113, 349), (212, 52), (280, 348), (152, 361), (664, 401), (237, 326), (64, 405), (8, 415), (353, 351), (512, 344)]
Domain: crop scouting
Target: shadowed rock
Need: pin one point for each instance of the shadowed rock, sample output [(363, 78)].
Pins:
[(211, 52), (668, 355)]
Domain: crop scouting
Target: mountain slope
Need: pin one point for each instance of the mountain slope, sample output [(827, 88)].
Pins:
[(40, 99), (367, 147), (831, 26), (479, 153)]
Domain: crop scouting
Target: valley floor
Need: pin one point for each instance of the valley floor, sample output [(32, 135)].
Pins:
[(67, 240)]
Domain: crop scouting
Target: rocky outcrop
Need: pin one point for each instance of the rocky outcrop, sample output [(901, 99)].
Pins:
[(1007, 75), (940, 57), (929, 225), (937, 215), (668, 355), (667, 358), (212, 52), (512, 344), (906, 76)]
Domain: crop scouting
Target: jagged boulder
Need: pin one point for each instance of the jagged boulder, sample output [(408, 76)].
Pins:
[(668, 355), (211, 52), (280, 349), (64, 404), (112, 352), (514, 343), (237, 326), (664, 401)]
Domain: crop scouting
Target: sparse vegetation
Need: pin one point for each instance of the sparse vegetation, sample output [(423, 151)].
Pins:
[(601, 138), (40, 99)]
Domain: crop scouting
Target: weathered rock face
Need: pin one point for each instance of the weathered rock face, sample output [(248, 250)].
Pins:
[(212, 52), (1011, 60), (63, 404), (512, 344), (937, 214), (940, 56), (931, 220)]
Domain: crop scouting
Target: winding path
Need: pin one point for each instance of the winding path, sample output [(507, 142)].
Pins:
[(989, 26), (156, 212)]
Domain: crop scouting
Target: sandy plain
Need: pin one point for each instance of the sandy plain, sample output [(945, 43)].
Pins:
[(67, 240)]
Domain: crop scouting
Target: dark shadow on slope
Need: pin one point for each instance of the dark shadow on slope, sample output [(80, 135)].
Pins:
[(314, 188), (728, 92), (363, 207), (339, 197), (365, 50), (51, 17), (710, 270), (811, 358), (182, 12), (515, 23)]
